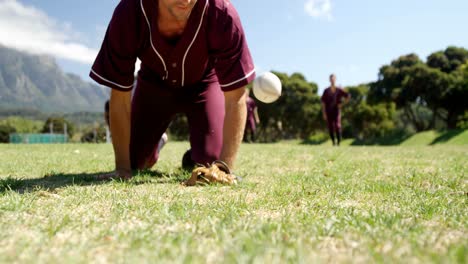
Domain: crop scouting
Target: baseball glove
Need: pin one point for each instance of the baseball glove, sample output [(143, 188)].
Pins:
[(217, 172)]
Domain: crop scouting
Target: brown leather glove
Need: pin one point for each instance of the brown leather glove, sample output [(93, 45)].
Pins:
[(217, 172)]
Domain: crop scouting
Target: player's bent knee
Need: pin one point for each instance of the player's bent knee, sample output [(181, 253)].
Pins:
[(205, 156)]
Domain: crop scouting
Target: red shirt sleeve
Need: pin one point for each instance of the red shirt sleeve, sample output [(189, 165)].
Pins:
[(115, 63), (233, 62), (324, 96)]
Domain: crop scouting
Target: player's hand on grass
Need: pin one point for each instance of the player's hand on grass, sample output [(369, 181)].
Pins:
[(118, 174)]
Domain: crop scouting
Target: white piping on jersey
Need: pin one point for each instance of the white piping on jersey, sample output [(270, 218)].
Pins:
[(151, 41), (243, 78), (191, 43), (116, 84)]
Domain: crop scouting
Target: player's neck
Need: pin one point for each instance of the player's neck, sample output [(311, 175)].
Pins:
[(169, 25)]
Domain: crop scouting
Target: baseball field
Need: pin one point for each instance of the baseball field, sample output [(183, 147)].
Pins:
[(298, 203)]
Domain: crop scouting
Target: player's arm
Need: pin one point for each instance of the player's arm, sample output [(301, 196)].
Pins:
[(324, 113), (114, 67), (120, 103), (347, 97), (257, 118), (234, 124)]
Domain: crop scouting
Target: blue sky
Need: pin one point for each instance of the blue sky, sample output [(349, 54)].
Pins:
[(351, 38)]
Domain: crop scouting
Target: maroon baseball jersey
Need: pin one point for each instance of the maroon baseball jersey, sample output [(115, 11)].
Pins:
[(251, 105), (332, 99), (212, 48)]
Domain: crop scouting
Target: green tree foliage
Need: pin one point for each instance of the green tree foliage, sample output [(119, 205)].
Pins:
[(179, 129), (442, 89), (295, 114), (455, 99), (427, 87), (58, 126), (94, 134), (439, 61), (367, 121), (5, 131), (426, 92), (449, 60), (389, 88), (371, 121), (22, 125), (463, 121)]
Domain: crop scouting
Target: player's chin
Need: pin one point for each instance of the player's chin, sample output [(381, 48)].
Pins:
[(178, 14), (181, 16), (181, 11)]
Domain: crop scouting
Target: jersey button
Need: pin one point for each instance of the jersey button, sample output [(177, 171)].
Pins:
[(174, 65), (174, 81)]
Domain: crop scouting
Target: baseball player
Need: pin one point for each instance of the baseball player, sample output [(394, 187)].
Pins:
[(194, 60), (332, 101)]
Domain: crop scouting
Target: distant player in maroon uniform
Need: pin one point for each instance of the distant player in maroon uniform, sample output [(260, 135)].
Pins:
[(252, 120), (194, 60), (106, 113), (333, 99)]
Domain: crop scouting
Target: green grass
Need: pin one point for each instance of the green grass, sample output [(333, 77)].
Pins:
[(426, 138), (298, 203), (451, 137), (459, 137), (421, 139)]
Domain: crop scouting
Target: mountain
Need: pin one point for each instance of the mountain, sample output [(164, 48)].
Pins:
[(37, 82)]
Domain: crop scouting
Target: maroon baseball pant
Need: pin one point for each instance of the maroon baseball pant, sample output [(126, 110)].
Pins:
[(154, 107)]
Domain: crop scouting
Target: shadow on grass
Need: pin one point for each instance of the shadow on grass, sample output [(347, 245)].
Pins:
[(48, 182), (312, 142), (53, 181), (395, 138), (446, 136), (315, 139), (391, 140)]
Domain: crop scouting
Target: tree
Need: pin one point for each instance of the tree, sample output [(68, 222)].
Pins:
[(94, 134), (425, 92), (5, 131), (367, 121), (390, 79), (23, 125), (455, 98), (358, 94), (452, 99), (463, 121), (428, 87), (295, 114), (179, 128), (449, 60), (58, 125), (390, 88), (438, 60)]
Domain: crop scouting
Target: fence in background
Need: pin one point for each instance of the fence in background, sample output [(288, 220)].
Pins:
[(17, 138)]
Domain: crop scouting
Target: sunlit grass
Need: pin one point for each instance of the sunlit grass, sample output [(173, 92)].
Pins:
[(298, 203)]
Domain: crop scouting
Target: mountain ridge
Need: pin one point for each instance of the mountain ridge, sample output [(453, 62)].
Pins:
[(37, 82)]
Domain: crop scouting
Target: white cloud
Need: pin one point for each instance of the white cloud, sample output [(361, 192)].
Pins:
[(29, 29), (319, 8)]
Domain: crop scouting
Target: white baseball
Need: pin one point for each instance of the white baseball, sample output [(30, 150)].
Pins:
[(267, 87)]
